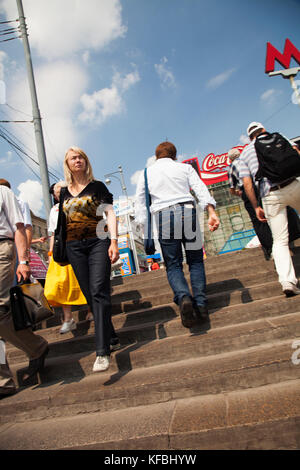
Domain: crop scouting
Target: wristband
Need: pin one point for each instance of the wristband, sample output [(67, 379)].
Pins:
[(24, 262), (49, 253)]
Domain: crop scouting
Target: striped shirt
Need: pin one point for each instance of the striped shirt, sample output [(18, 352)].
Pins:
[(249, 165), (233, 175)]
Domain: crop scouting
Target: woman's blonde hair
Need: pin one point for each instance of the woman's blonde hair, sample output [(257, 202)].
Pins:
[(68, 173)]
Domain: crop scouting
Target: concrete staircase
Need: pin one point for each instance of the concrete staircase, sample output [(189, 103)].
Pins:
[(233, 383)]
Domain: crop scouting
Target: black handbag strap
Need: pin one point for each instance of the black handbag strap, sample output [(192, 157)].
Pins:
[(60, 209), (148, 203)]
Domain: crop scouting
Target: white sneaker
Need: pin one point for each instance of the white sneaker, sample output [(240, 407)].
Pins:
[(290, 289), (101, 363), (68, 326)]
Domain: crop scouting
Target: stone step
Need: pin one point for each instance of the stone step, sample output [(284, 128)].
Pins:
[(265, 417), (240, 271), (216, 300), (71, 358), (124, 294), (235, 261), (164, 321), (262, 364), (232, 383), (246, 279)]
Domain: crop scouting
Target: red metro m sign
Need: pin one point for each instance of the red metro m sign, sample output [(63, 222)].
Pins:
[(290, 51)]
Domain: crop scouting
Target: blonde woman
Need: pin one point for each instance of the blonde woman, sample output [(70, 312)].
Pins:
[(61, 286), (91, 244)]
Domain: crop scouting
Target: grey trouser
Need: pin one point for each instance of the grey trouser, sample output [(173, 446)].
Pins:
[(32, 344)]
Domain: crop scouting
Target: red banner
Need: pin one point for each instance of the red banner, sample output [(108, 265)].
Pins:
[(214, 167)]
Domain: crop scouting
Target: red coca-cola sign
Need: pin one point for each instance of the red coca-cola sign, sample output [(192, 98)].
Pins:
[(214, 167)]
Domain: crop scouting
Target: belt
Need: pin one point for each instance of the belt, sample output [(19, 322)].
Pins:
[(282, 185), (5, 239)]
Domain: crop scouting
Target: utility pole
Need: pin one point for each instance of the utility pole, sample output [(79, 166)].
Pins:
[(129, 226), (127, 216), (35, 113)]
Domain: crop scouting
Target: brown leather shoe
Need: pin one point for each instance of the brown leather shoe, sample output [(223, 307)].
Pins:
[(188, 317), (8, 392), (202, 313), (35, 365)]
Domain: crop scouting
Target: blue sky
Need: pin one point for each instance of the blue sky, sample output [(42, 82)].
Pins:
[(118, 77)]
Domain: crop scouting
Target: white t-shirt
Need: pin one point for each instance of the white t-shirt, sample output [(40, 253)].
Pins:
[(25, 211), (10, 213), (53, 218)]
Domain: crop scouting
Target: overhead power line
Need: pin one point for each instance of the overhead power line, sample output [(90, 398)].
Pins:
[(5, 135), (16, 121), (10, 21), (24, 146), (10, 31), (278, 110)]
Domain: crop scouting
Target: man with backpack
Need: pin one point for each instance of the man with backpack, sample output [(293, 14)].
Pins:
[(272, 162), (261, 229)]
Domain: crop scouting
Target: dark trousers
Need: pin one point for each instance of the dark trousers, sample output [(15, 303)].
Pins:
[(91, 264), (261, 229)]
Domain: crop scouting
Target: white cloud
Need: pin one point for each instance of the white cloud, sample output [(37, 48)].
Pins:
[(3, 57), (269, 96), (218, 80), (63, 34), (244, 139), (107, 102), (86, 57), (125, 83), (134, 179), (60, 28), (8, 159), (58, 95), (165, 74), (31, 192)]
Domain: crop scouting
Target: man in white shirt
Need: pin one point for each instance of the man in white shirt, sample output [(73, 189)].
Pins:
[(173, 206), (275, 198), (12, 233)]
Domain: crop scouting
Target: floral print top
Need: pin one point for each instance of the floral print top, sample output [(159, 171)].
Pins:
[(85, 211)]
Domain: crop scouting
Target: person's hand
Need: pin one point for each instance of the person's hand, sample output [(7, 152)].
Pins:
[(113, 251), (23, 272), (260, 214), (213, 220)]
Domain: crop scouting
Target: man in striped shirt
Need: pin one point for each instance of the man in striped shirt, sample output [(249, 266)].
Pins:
[(275, 198), (261, 229)]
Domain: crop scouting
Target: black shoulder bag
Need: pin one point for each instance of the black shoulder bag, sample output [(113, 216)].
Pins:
[(149, 245), (60, 234)]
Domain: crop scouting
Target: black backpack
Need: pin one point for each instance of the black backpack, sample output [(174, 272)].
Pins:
[(278, 160)]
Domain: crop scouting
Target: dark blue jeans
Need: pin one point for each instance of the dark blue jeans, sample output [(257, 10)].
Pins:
[(178, 226), (91, 264)]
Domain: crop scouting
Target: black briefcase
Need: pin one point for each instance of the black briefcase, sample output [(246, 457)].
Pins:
[(29, 306)]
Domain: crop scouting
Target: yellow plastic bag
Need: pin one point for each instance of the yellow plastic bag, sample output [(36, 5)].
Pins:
[(61, 286)]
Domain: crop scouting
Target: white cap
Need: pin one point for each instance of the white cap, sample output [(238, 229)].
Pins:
[(233, 154), (254, 126)]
